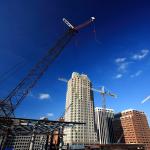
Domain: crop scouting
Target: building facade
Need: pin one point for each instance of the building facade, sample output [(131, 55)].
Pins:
[(117, 128), (134, 127), (23, 142), (79, 100), (103, 120)]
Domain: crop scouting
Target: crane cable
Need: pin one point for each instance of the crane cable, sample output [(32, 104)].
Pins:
[(95, 34), (11, 72)]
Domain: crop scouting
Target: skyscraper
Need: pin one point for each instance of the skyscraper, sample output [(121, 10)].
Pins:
[(104, 125), (134, 127), (79, 100)]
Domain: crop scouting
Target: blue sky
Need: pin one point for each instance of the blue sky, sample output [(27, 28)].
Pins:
[(118, 58)]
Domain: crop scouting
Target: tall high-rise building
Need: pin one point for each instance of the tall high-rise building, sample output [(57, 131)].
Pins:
[(103, 120), (134, 127), (79, 100)]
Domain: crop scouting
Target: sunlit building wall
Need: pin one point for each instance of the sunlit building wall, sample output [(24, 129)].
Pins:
[(80, 97)]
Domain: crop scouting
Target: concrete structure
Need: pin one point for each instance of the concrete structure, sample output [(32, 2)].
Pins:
[(104, 125), (134, 127), (80, 96)]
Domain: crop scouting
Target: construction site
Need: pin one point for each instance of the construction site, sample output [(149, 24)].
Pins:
[(10, 126), (81, 126)]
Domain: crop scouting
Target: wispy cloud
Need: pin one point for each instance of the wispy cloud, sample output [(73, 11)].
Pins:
[(47, 116), (44, 96), (122, 67), (120, 60), (118, 76), (50, 114), (146, 99), (122, 64), (141, 55), (43, 117), (138, 73)]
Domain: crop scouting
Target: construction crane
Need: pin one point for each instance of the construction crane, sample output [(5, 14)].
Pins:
[(103, 92), (18, 94)]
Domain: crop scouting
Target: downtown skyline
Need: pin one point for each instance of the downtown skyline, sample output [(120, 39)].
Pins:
[(119, 58)]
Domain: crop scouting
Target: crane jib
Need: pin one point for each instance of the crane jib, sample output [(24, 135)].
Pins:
[(25, 85), (18, 94)]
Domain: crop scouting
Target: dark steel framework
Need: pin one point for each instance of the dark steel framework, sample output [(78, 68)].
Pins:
[(10, 103), (16, 96), (20, 126)]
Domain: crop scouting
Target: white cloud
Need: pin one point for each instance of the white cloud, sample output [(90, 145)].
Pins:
[(50, 115), (118, 76), (44, 96), (120, 60), (146, 99), (141, 55), (138, 73), (122, 64), (47, 116), (122, 67), (41, 118)]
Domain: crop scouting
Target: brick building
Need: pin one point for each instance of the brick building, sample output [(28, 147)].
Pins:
[(131, 126)]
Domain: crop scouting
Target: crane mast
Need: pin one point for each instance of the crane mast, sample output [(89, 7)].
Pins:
[(17, 95)]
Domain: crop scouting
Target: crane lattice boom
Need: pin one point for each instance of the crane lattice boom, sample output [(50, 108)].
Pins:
[(17, 95)]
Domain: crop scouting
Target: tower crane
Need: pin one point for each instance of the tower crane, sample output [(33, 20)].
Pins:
[(103, 92), (18, 94)]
